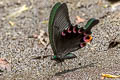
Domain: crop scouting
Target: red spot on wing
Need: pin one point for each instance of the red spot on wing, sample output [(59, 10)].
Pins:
[(79, 31), (74, 30), (63, 34), (88, 38), (82, 45), (68, 30)]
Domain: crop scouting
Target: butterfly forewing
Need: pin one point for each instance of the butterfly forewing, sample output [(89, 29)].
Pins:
[(62, 22), (51, 21)]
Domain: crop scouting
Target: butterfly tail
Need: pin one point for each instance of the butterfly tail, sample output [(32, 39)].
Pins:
[(91, 22), (70, 56)]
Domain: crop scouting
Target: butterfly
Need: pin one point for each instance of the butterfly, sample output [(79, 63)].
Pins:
[(64, 37)]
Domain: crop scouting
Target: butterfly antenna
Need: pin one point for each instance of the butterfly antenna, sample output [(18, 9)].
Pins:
[(62, 67), (42, 57)]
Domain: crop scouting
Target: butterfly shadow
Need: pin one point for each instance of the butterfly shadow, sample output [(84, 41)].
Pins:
[(74, 69)]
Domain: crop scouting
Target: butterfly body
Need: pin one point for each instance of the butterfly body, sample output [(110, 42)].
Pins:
[(64, 37)]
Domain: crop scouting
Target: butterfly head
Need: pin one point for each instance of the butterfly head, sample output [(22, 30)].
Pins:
[(54, 57), (57, 58)]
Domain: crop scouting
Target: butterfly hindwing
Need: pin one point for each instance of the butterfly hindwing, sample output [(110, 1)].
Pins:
[(91, 23)]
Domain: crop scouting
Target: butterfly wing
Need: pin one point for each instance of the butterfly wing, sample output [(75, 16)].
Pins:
[(61, 22), (50, 26), (91, 22)]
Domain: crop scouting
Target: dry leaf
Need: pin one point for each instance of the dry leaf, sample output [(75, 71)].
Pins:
[(105, 6), (99, 2), (115, 6), (5, 64), (18, 11), (33, 36), (45, 22), (11, 23), (113, 43), (43, 37), (109, 76), (79, 20)]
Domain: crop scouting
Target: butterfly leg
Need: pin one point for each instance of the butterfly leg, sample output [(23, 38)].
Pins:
[(63, 66), (61, 69), (66, 65)]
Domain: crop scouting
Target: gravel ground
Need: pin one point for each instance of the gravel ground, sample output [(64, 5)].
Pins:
[(92, 61)]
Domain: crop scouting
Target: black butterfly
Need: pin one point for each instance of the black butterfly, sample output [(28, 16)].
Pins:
[(64, 37)]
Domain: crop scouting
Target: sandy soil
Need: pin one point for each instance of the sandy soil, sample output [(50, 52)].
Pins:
[(18, 49)]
